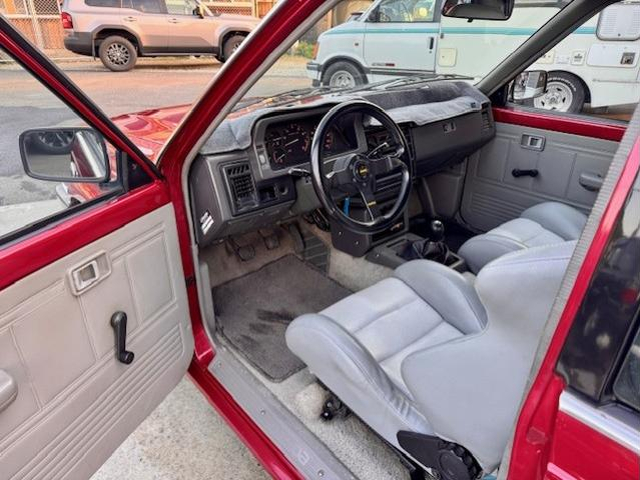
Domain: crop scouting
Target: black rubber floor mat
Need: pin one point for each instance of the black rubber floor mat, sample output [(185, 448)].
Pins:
[(254, 311)]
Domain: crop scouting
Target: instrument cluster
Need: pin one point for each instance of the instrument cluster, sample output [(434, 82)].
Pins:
[(289, 143)]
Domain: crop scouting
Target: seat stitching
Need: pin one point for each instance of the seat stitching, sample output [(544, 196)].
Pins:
[(413, 342), (387, 312)]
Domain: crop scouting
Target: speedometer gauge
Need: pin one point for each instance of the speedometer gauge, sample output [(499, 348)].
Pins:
[(296, 140)]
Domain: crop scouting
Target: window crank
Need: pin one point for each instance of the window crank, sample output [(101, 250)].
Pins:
[(119, 324)]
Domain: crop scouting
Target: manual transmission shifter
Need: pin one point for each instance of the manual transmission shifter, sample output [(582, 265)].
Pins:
[(433, 247)]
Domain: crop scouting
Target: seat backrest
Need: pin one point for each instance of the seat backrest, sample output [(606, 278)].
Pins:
[(469, 389)]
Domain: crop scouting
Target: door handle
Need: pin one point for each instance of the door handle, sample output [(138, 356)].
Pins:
[(174, 20), (91, 271), (129, 19), (8, 390), (517, 172), (591, 181), (532, 142), (431, 42)]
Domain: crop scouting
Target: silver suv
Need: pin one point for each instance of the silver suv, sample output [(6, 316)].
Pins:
[(118, 31)]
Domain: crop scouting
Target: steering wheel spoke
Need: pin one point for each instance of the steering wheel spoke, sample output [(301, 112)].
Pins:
[(355, 174)]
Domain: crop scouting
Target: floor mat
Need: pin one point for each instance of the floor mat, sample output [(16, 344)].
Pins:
[(254, 311)]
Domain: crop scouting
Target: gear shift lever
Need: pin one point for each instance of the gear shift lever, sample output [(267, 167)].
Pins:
[(432, 247), (437, 231)]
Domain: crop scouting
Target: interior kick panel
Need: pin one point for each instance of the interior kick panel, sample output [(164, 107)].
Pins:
[(524, 166), (76, 402)]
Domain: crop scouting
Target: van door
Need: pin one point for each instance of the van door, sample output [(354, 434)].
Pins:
[(400, 38), (148, 19)]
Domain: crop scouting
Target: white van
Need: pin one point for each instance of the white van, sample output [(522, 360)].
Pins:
[(597, 64)]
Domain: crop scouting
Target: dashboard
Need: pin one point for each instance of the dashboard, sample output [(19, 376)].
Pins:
[(253, 184)]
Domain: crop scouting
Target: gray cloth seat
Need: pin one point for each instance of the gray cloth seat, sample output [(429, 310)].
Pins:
[(428, 351), (543, 224)]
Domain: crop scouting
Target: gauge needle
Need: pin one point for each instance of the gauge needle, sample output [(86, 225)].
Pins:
[(291, 142)]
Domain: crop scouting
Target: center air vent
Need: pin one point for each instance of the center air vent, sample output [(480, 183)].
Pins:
[(242, 190)]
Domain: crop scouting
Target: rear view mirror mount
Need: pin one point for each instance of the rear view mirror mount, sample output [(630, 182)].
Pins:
[(478, 9)]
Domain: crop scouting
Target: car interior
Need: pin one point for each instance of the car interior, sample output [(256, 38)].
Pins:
[(381, 265)]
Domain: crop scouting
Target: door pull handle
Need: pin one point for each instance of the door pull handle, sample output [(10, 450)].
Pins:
[(129, 19), (8, 389), (591, 181), (119, 324), (431, 42), (533, 172)]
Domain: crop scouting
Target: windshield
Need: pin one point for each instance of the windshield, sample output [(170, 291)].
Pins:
[(391, 43)]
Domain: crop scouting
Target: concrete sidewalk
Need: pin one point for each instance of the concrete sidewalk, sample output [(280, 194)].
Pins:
[(184, 438)]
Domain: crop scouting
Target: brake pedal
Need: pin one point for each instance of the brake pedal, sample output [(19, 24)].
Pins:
[(243, 252), (270, 239)]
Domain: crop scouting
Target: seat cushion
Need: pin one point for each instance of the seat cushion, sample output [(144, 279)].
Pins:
[(547, 223)]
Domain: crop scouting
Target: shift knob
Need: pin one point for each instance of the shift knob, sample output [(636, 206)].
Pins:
[(437, 231)]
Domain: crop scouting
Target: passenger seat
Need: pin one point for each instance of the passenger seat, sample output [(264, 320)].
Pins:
[(543, 224)]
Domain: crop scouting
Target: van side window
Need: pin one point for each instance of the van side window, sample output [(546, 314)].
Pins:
[(404, 11), (181, 7), (627, 384), (145, 6)]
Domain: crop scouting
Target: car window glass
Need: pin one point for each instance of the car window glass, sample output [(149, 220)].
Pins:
[(405, 11), (103, 3), (147, 6), (181, 7), (627, 384), (52, 148), (605, 46)]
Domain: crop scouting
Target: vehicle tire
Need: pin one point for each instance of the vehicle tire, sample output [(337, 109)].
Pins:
[(231, 44), (565, 93), (118, 54), (342, 75)]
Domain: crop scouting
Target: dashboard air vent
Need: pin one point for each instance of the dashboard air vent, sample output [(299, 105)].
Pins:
[(241, 187), (486, 118), (408, 135)]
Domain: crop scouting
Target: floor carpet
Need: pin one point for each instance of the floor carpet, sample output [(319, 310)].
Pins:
[(253, 311)]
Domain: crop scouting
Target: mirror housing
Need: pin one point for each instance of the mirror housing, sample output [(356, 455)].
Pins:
[(528, 85), (74, 155), (478, 9), (199, 11)]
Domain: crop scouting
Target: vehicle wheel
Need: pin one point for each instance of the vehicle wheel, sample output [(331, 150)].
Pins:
[(118, 54), (231, 45), (342, 75), (564, 93)]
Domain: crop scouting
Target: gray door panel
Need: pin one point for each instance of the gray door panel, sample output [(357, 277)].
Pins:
[(76, 403), (568, 169)]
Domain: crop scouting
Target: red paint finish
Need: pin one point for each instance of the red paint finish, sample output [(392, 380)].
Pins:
[(274, 462), (33, 253), (532, 444), (576, 126), (580, 452)]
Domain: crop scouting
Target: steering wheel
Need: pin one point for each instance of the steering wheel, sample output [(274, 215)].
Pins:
[(355, 174)]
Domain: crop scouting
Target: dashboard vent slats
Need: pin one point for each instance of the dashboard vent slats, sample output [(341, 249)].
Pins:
[(241, 187), (486, 118)]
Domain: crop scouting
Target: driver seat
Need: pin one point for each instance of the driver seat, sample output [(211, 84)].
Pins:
[(425, 351)]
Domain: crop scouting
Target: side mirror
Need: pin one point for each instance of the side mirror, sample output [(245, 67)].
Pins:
[(529, 84), (199, 11), (478, 9), (65, 155), (354, 16)]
